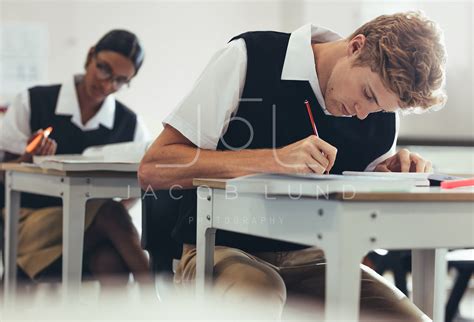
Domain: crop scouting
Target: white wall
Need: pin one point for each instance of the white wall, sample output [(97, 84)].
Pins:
[(180, 37)]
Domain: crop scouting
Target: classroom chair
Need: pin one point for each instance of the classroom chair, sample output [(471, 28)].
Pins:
[(396, 261)]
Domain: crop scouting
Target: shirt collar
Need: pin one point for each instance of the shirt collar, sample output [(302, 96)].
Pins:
[(299, 61), (68, 104)]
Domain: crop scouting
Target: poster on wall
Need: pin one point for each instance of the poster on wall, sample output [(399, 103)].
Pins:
[(23, 58)]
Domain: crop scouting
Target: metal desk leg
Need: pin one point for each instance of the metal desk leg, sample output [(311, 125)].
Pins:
[(74, 208), (342, 284), (429, 270), (12, 209), (205, 240)]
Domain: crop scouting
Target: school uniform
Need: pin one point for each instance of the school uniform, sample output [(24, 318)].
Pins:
[(251, 96), (40, 230)]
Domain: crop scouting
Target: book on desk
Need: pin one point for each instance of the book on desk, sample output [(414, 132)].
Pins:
[(113, 157)]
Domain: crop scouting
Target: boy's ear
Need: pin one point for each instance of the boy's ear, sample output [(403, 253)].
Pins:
[(89, 56), (356, 44)]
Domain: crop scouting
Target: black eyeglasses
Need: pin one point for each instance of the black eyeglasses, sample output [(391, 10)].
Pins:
[(104, 72)]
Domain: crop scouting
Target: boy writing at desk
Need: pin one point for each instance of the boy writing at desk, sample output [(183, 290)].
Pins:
[(253, 119)]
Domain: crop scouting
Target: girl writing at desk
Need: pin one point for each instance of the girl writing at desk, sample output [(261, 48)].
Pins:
[(82, 113)]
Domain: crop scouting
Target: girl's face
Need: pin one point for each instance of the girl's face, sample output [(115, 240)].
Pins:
[(106, 72)]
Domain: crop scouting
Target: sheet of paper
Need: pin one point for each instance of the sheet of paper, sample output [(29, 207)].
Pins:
[(318, 185), (420, 178), (403, 175)]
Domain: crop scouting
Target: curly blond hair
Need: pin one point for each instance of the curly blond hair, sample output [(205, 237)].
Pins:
[(407, 51)]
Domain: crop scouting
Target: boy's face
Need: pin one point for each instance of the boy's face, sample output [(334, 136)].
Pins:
[(356, 91)]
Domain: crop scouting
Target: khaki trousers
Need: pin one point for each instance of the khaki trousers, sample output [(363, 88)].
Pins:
[(40, 235), (274, 279)]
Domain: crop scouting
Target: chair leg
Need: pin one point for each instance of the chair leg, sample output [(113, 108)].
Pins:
[(393, 262), (400, 276), (462, 281)]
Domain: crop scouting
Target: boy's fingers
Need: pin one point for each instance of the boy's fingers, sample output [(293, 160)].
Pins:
[(329, 151), (419, 162), (428, 167), (405, 161), (382, 168), (319, 157)]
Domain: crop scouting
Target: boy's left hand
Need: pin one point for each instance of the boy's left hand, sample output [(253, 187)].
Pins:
[(404, 161)]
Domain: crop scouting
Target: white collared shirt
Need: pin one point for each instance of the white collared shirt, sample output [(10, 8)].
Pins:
[(15, 128), (204, 113), (299, 61), (68, 104)]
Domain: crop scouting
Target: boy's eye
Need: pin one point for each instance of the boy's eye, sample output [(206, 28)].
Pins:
[(368, 97)]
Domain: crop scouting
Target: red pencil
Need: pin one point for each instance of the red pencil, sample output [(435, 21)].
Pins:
[(308, 108), (313, 124)]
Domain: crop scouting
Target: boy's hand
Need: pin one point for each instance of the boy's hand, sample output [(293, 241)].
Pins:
[(310, 155), (404, 161)]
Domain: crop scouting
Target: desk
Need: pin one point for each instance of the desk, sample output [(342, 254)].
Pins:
[(346, 229), (75, 188)]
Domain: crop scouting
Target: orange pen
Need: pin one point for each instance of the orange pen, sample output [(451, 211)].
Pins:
[(37, 140)]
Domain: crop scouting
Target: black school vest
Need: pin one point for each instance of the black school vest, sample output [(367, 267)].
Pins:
[(275, 111), (70, 139)]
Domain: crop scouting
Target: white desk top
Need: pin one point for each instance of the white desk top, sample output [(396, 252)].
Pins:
[(418, 194), (31, 168)]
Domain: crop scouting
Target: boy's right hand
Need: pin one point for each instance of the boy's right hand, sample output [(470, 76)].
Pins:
[(310, 155)]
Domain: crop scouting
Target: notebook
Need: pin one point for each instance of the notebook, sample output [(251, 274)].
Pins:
[(77, 162), (113, 157)]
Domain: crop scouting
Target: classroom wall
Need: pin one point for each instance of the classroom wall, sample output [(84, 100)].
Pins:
[(181, 36)]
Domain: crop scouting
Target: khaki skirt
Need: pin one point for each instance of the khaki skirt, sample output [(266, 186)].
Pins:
[(40, 234)]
